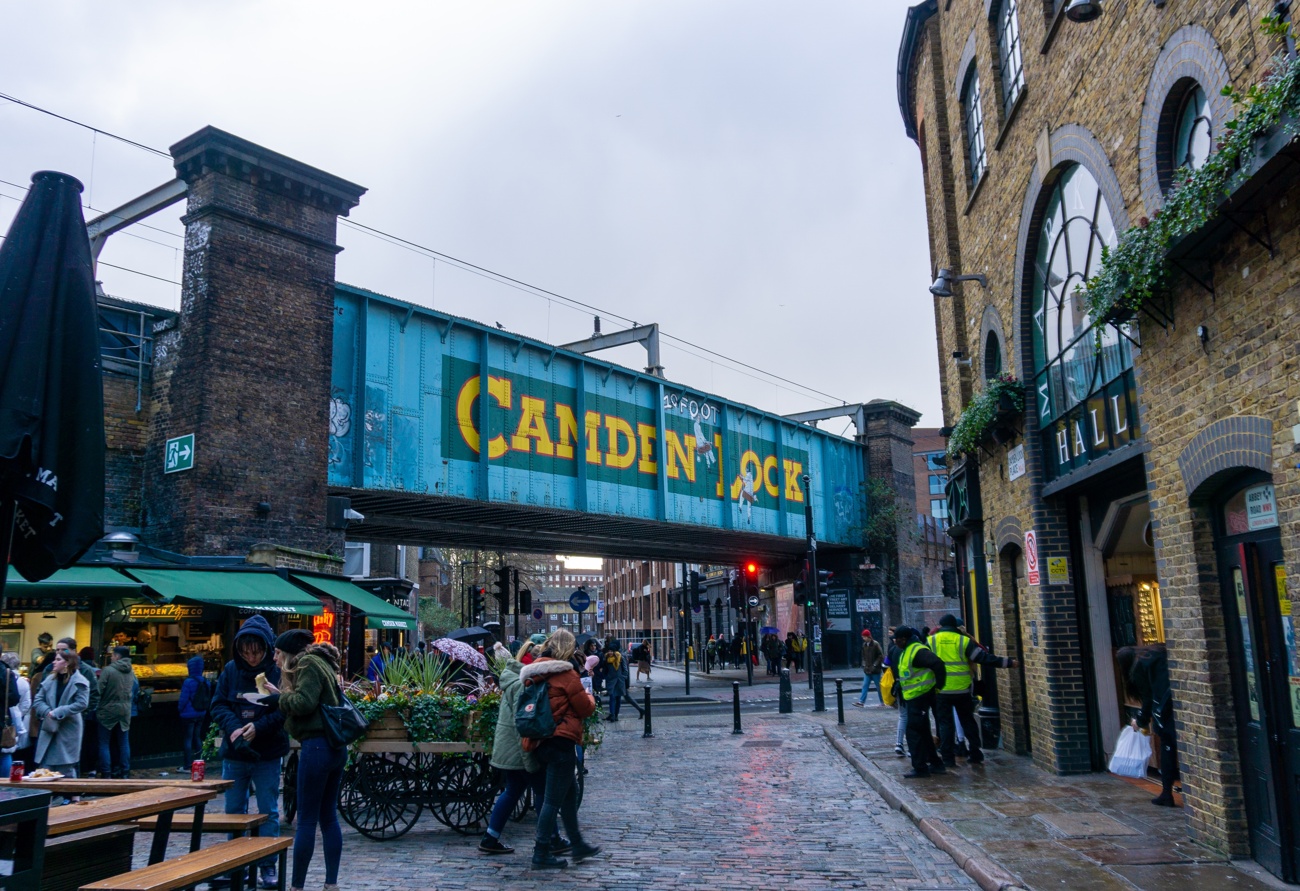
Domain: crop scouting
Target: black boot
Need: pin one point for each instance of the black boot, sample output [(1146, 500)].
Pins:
[(544, 859), (582, 851)]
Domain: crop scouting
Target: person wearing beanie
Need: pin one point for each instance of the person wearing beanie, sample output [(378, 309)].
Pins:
[(873, 658), (253, 739), (955, 700), (920, 673)]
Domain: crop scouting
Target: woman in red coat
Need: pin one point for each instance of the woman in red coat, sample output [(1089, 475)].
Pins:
[(570, 704)]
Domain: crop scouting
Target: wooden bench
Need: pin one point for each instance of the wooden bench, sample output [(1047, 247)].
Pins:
[(239, 824), (73, 860), (189, 870)]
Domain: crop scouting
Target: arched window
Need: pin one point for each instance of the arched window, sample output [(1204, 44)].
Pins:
[(974, 125), (1192, 137), (992, 356), (1013, 70), (1084, 400)]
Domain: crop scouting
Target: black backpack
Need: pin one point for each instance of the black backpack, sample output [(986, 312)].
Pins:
[(533, 718), (201, 701)]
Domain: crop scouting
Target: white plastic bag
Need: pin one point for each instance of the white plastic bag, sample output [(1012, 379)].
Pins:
[(1132, 752)]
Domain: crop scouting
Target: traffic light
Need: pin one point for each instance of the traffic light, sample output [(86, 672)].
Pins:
[(802, 589), (824, 577), (949, 577), (525, 601), (502, 585), (478, 604), (736, 595), (697, 593)]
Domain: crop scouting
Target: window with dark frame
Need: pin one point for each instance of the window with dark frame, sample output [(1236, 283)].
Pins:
[(992, 356), (976, 160), (1192, 139), (1013, 68)]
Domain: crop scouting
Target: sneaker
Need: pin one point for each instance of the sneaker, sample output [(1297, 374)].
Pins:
[(267, 877), (583, 851), (548, 861), (859, 705), (898, 750), (490, 845)]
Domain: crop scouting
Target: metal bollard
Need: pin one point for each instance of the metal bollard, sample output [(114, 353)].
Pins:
[(649, 733), (787, 695), (839, 698), (735, 708)]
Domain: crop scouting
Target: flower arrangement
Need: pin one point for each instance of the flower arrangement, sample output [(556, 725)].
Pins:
[(983, 412), (433, 698), (1137, 269)]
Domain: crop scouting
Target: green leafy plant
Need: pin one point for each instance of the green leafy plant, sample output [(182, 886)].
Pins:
[(1138, 269), (982, 413), (209, 750)]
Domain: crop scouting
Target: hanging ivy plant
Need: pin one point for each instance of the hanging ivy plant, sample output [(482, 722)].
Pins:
[(982, 414), (1137, 269)]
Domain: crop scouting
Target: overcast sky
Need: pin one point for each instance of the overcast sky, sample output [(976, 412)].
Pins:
[(735, 171)]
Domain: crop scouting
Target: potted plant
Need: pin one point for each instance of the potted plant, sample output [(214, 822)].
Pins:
[(992, 413)]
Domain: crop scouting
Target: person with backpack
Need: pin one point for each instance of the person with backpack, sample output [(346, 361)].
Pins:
[(196, 699), (568, 704), (617, 676)]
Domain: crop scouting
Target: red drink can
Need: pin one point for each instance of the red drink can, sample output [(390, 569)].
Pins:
[(16, 772), (197, 771)]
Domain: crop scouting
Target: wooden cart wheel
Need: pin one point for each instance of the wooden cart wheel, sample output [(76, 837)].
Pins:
[(289, 787), (379, 796), (462, 798)]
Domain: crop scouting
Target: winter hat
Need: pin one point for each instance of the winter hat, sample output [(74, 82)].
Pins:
[(904, 632), (949, 621), (294, 641), (592, 661), (538, 639), (866, 632)]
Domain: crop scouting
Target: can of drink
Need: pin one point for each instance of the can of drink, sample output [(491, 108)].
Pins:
[(197, 771), (16, 772)]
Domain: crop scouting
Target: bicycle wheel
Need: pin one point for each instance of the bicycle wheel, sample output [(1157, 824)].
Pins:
[(462, 798), (378, 797), (289, 787)]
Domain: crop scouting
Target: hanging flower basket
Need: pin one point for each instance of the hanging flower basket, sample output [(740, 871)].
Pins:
[(992, 414)]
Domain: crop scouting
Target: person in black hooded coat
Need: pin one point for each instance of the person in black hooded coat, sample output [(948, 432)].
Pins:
[(252, 735)]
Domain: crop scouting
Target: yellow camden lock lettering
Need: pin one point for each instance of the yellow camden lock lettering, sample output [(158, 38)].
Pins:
[(914, 681), (951, 648)]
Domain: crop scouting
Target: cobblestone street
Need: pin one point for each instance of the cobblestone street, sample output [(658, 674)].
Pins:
[(694, 807)]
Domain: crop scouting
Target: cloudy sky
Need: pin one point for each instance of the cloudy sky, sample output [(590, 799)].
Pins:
[(734, 170)]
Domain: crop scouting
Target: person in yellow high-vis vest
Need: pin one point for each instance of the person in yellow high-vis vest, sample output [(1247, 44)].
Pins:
[(955, 697), (920, 673)]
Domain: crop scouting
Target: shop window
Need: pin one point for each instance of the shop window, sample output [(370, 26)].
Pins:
[(1012, 66), (973, 127)]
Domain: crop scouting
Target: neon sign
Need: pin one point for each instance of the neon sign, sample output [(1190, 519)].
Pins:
[(323, 627)]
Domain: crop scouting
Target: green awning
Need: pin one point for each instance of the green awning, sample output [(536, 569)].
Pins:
[(75, 581), (241, 589), (379, 612)]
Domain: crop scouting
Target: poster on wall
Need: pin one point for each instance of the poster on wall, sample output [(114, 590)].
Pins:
[(784, 608)]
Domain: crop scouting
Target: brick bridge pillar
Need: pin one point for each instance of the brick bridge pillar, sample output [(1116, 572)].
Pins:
[(246, 368), (887, 434)]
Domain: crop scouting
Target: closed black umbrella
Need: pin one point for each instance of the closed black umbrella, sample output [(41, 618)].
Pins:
[(51, 391)]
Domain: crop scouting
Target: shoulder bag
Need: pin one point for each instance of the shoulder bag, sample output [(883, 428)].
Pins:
[(9, 735), (342, 724)]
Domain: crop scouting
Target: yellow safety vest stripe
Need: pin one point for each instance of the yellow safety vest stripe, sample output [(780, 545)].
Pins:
[(914, 681), (950, 646)]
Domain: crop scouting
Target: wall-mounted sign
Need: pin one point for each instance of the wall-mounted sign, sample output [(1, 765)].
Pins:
[(36, 604), (1033, 631), (600, 611), (580, 600), (868, 604), (1261, 507), (1016, 462), (837, 604), (163, 612), (178, 454), (1058, 570), (1031, 558)]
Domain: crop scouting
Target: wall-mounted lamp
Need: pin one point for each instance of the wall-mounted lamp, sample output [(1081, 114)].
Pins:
[(942, 286), (960, 358), (1082, 10), (1203, 334)]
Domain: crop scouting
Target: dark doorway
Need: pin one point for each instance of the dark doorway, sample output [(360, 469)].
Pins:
[(1013, 582)]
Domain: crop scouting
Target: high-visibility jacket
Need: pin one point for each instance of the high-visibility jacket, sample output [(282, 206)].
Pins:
[(950, 646), (915, 680)]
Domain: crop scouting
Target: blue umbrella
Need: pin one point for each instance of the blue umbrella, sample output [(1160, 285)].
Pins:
[(51, 389)]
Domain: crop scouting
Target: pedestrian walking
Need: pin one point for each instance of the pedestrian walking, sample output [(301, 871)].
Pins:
[(570, 704), (23, 703), (955, 700), (642, 658), (62, 698), (117, 686), (253, 736), (519, 769), (617, 676), (1145, 671), (873, 658), (12, 697), (891, 660), (920, 673), (196, 699), (89, 759), (792, 652), (309, 679)]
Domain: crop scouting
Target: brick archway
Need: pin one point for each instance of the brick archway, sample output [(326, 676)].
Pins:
[(1232, 443)]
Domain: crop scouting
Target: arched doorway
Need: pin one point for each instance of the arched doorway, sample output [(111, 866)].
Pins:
[(1015, 711)]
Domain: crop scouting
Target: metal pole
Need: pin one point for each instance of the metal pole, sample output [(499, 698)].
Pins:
[(735, 708), (516, 604), (839, 699), (814, 642), (649, 733), (749, 645)]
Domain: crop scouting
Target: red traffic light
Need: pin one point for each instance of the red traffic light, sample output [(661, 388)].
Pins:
[(751, 569)]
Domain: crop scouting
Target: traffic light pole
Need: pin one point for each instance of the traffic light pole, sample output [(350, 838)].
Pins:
[(814, 635), (685, 612), (516, 604)]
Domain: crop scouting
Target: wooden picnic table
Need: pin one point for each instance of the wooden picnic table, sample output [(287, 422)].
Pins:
[(162, 802), (81, 786)]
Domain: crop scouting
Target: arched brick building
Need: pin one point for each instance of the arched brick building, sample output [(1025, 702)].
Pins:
[(1149, 492)]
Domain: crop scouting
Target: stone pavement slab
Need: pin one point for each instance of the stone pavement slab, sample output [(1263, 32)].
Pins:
[(694, 807)]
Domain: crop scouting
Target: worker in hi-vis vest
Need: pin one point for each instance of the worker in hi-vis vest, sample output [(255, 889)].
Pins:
[(955, 699), (920, 673)]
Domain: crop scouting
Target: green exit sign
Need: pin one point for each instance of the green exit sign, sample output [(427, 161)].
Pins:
[(179, 454)]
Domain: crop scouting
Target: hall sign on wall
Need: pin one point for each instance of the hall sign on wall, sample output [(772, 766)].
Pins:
[(1097, 426)]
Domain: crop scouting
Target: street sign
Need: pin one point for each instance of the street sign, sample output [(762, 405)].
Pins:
[(1031, 557), (600, 611), (753, 601), (537, 614), (580, 600), (178, 454)]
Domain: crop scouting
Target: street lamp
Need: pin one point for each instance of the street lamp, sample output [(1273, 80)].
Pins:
[(1082, 10), (942, 286)]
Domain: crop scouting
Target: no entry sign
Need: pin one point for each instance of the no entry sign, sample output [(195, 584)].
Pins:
[(1031, 557)]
